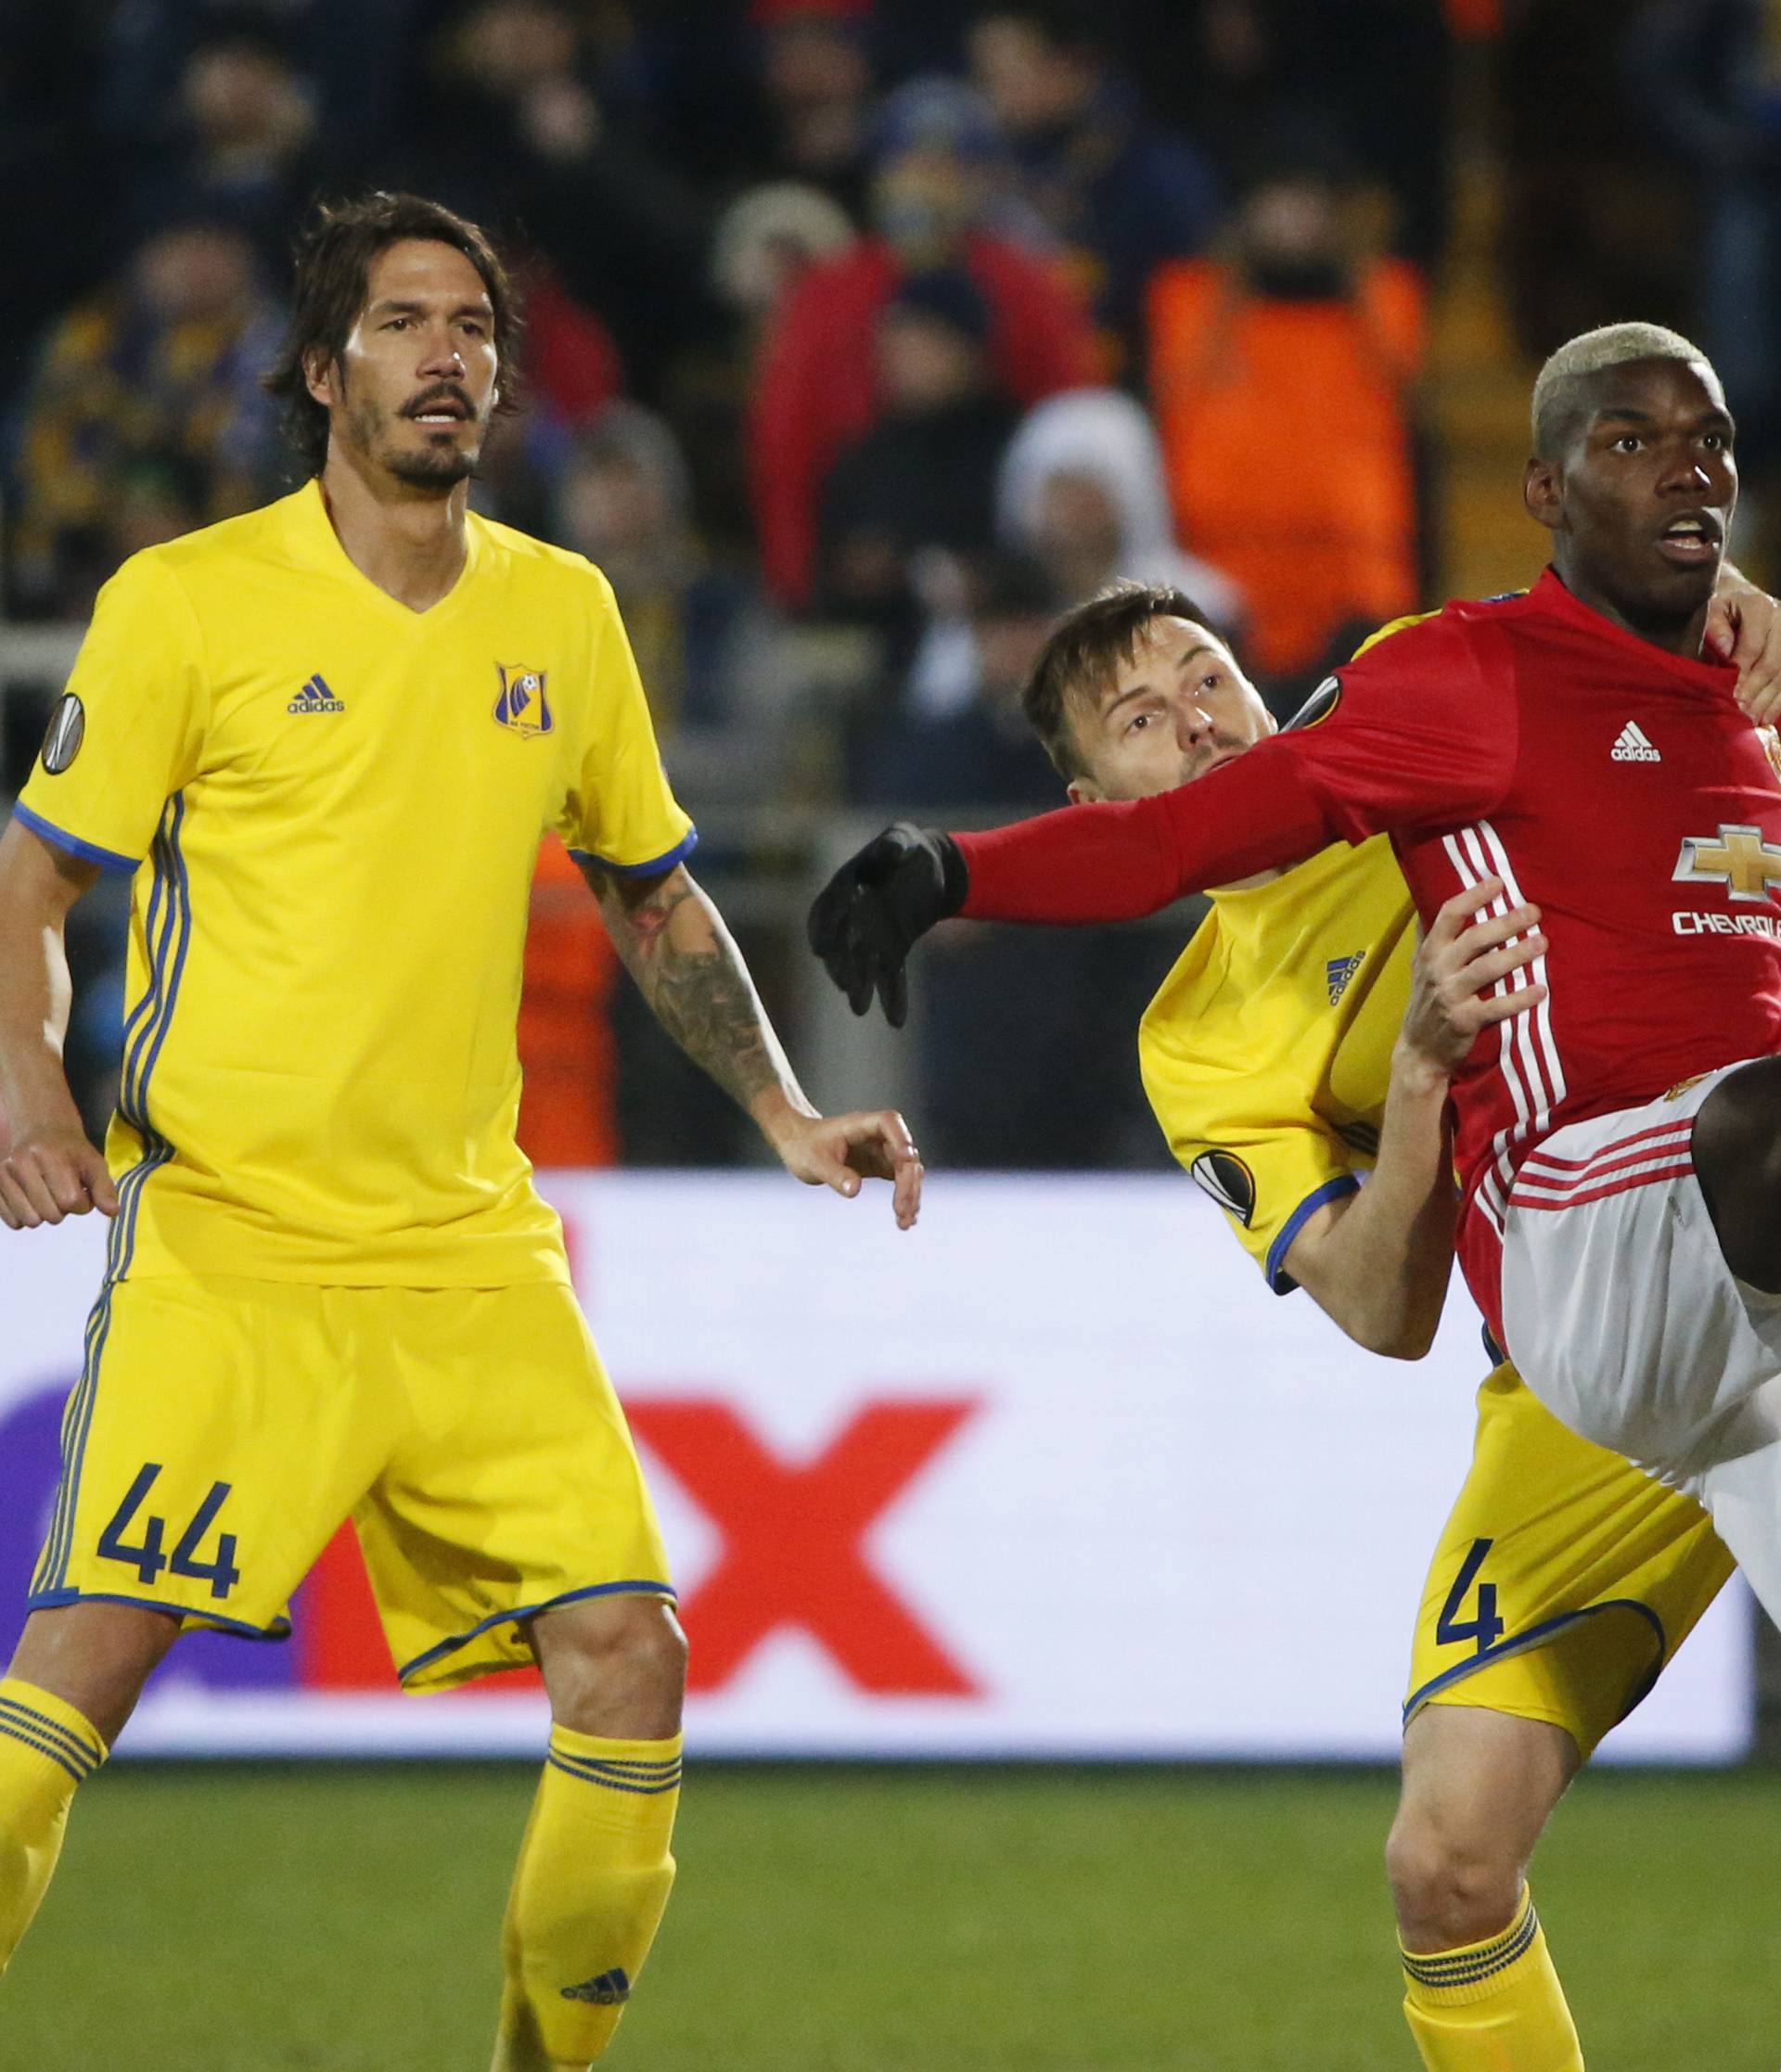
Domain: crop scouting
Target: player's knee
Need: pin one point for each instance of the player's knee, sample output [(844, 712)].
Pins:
[(95, 1657), (615, 1666), (1448, 1891)]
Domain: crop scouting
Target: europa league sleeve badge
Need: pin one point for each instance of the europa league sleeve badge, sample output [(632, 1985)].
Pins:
[(67, 731)]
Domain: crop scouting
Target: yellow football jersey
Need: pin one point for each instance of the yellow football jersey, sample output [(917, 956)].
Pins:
[(1267, 1053), (333, 805)]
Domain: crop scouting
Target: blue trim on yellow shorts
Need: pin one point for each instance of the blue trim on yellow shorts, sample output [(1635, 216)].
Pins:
[(72, 845), (61, 1522), (656, 865), (168, 938), (54, 1600), (428, 1656), (1536, 1636), (1279, 1280)]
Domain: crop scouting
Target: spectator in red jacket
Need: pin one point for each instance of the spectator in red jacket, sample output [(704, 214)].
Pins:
[(935, 197)]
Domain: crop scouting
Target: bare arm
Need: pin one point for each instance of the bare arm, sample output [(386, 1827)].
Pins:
[(1379, 1261), (674, 944), (48, 1169)]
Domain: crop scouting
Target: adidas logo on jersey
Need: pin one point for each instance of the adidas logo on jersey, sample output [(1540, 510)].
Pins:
[(1339, 971), (611, 1989), (315, 697), (1634, 746)]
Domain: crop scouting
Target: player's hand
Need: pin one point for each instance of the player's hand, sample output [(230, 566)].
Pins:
[(840, 1151), (1744, 626), (52, 1175), (1457, 962), (875, 909)]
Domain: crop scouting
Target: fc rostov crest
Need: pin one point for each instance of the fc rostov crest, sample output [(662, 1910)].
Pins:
[(522, 707)]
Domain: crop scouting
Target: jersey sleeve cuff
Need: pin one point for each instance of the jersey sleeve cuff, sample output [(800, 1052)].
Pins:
[(653, 867), (72, 845), (1279, 1280)]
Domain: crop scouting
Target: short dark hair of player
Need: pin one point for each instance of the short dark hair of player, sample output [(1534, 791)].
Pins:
[(1084, 654), (334, 256)]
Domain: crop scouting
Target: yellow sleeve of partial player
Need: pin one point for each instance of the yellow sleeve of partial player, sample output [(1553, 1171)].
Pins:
[(1267, 1178), (620, 811), (126, 731), (1246, 1135), (1391, 626)]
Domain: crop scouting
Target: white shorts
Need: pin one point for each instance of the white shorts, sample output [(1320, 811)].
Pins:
[(1622, 1316)]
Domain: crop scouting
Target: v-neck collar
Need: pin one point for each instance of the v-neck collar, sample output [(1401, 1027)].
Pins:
[(315, 532)]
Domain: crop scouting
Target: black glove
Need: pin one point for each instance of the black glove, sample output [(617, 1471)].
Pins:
[(877, 907)]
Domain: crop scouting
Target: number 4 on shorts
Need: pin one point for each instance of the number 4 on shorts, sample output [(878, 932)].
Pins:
[(146, 1557), (1487, 1627)]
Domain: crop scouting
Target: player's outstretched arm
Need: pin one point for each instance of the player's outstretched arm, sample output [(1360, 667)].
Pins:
[(675, 944), (1108, 861), (49, 1169), (1379, 1261)]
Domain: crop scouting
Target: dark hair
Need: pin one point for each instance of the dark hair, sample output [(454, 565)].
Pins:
[(333, 271), (1084, 650)]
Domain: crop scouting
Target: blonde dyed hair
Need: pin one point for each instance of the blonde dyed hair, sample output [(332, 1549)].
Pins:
[(1613, 345)]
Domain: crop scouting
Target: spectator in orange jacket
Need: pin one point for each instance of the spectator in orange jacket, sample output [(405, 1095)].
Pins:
[(1282, 384), (934, 196), (568, 1106)]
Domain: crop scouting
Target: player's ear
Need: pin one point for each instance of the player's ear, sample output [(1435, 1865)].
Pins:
[(318, 375), (1543, 491), (1083, 791)]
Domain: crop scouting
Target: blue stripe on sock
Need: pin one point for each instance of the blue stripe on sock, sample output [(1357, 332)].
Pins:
[(1468, 1960), (634, 1765), (620, 1762), (1473, 1966), (592, 1768), (77, 1750), (25, 1715), (40, 1746), (610, 1783)]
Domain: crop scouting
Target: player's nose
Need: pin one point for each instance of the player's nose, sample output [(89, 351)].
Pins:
[(444, 359), (1193, 725), (1688, 474)]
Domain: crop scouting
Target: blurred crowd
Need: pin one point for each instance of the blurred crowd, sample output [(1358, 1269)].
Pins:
[(865, 337)]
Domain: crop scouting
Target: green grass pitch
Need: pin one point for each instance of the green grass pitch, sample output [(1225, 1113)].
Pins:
[(873, 1921)]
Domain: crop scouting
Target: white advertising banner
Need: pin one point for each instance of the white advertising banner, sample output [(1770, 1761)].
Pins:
[(1053, 1476)]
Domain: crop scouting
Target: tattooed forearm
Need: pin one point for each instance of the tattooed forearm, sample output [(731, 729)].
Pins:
[(674, 942)]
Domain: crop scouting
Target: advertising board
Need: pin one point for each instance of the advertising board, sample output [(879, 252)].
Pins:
[(1054, 1476)]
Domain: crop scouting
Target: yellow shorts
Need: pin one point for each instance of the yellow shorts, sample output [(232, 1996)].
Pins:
[(222, 1430), (1565, 1577)]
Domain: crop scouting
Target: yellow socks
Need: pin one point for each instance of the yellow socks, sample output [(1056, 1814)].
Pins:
[(588, 1895), (1495, 2006), (47, 1747)]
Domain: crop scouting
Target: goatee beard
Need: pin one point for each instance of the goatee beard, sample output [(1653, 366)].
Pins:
[(434, 470)]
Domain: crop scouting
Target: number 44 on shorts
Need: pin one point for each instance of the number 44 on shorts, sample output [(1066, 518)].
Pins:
[(146, 1557)]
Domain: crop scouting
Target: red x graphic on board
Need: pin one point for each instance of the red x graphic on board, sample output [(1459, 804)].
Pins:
[(793, 1534)]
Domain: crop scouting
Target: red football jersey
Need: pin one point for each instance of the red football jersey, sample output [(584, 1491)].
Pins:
[(1618, 788)]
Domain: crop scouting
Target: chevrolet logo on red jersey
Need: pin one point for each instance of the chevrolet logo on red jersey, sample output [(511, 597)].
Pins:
[(1739, 858)]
